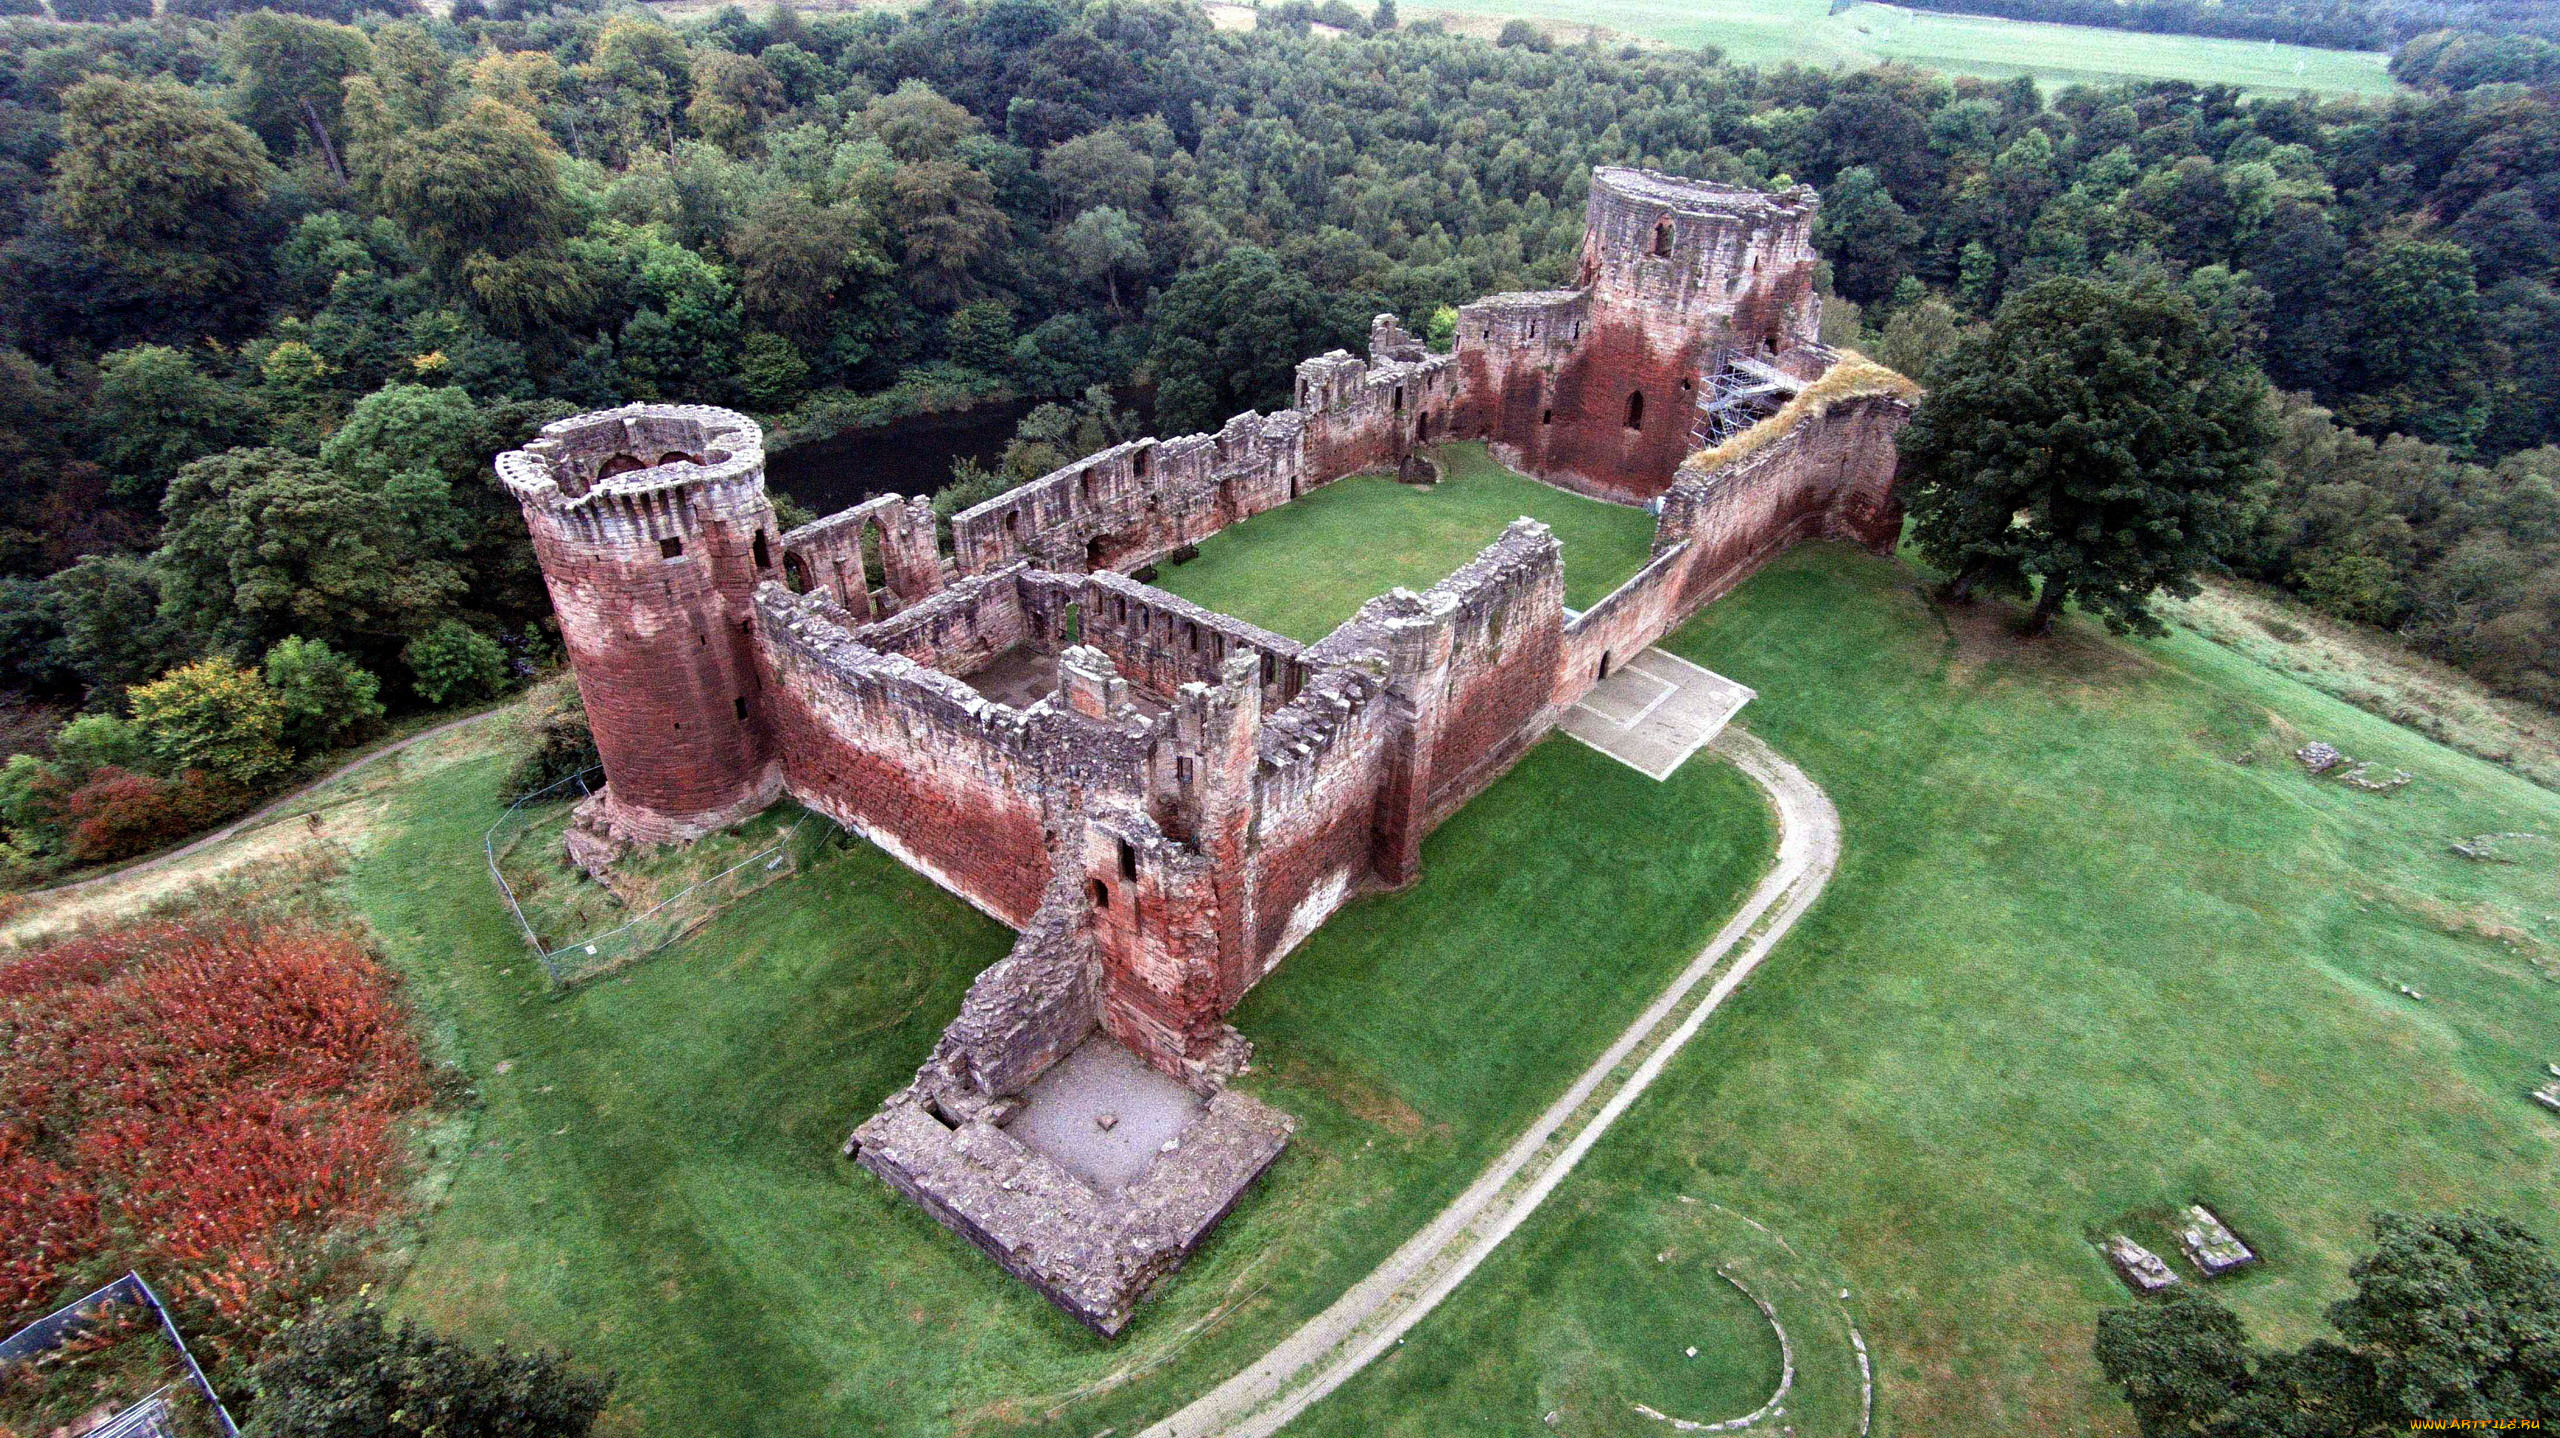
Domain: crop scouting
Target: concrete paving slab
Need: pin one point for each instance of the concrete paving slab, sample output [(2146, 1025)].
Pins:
[(1656, 711)]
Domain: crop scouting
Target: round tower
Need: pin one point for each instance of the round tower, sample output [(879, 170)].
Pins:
[(652, 529)]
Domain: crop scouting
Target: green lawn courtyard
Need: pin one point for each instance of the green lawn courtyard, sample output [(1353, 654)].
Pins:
[(2097, 947), (1305, 567)]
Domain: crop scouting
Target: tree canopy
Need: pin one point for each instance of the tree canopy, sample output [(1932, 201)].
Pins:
[(2454, 1322), (2092, 443)]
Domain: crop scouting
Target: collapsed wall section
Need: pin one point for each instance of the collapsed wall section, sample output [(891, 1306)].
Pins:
[(872, 558), (1369, 414)]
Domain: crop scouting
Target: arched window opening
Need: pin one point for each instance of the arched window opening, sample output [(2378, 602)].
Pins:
[(1604, 663), (1662, 239), (1635, 410), (1093, 549), (795, 572), (621, 464), (677, 457), (1013, 526)]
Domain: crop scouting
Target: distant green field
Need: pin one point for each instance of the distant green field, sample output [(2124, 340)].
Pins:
[(1768, 32)]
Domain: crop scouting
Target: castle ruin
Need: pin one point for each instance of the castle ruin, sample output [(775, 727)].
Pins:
[(1161, 800)]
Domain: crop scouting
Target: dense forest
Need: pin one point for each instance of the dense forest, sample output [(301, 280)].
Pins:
[(280, 285)]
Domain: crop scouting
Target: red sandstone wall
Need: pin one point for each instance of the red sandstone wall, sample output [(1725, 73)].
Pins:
[(1315, 811), (912, 760), (1505, 641), (960, 630), (1160, 642), (661, 660)]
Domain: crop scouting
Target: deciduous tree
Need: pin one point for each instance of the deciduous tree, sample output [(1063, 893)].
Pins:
[(2091, 442), (158, 179)]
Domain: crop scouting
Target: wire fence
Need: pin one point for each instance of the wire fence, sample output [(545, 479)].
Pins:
[(662, 923)]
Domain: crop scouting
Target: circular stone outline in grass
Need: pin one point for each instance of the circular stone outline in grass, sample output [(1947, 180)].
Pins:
[(1786, 1375), (1827, 1380)]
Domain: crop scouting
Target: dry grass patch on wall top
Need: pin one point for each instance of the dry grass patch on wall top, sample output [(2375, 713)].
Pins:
[(1854, 377)]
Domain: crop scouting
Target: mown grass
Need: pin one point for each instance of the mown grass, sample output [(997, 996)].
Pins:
[(1307, 566), (2079, 964), (1807, 32), (654, 1182)]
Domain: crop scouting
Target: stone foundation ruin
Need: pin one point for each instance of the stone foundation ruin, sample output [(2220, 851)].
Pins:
[(1161, 800)]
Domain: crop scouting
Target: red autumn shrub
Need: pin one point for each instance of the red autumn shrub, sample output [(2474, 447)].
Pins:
[(216, 1102), (118, 813)]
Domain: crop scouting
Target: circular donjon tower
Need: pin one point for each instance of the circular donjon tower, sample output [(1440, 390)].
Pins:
[(652, 529)]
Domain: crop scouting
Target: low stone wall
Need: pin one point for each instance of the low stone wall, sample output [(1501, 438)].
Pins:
[(1094, 1256)]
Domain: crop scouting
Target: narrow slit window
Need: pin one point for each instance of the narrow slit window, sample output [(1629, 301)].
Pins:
[(1635, 410), (1128, 860), (740, 704), (763, 552), (1662, 239), (1101, 894)]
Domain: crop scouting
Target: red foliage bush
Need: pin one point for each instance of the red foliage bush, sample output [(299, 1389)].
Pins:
[(213, 1102), (119, 813)]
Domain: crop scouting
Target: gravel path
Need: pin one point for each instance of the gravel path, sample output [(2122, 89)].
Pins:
[(1375, 1314), (252, 820)]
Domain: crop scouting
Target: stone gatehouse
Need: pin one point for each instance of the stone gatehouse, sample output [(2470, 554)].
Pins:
[(1164, 801)]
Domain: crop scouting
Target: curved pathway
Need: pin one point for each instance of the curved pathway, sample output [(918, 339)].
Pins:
[(263, 812), (1374, 1315)]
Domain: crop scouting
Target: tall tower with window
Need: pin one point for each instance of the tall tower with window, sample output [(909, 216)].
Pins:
[(652, 528)]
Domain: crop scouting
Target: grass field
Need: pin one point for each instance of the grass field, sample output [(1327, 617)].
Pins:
[(654, 1181), (1305, 567), (1772, 32), (2097, 948), (2081, 964)]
